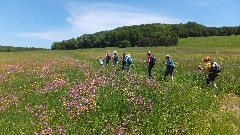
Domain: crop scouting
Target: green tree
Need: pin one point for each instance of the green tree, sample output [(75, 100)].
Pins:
[(123, 44)]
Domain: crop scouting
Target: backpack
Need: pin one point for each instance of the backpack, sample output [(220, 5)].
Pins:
[(215, 68), (124, 61), (153, 60), (129, 60), (171, 63), (115, 57), (109, 56)]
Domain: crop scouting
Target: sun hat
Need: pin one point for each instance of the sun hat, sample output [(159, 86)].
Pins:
[(207, 59), (148, 52), (114, 51), (167, 56)]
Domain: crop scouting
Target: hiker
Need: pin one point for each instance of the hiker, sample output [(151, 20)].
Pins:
[(123, 58), (128, 59), (115, 58), (101, 61), (212, 69), (108, 58), (170, 67), (151, 62)]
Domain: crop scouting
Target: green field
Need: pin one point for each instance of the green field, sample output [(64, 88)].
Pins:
[(67, 92)]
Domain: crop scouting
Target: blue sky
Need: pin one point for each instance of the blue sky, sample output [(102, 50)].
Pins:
[(39, 23)]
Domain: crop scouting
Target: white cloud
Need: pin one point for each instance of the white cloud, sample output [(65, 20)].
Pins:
[(88, 18), (52, 36), (202, 4)]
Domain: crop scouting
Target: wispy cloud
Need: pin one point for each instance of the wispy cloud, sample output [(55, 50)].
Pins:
[(202, 4), (88, 18), (52, 36), (93, 17)]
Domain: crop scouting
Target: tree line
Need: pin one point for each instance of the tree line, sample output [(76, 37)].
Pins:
[(17, 49), (145, 35)]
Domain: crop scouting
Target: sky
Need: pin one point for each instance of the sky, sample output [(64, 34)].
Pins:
[(39, 23)]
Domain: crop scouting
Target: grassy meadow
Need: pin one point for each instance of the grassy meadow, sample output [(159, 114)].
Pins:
[(67, 92)]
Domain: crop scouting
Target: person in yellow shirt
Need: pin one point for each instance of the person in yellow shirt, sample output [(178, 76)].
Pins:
[(211, 75)]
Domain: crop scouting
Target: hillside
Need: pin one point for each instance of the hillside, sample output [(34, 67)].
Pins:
[(67, 92), (17, 49), (144, 35)]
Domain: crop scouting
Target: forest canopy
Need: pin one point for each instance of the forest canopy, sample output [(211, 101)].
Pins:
[(144, 35), (17, 49)]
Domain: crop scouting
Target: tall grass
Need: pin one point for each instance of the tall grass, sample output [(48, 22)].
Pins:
[(67, 92)]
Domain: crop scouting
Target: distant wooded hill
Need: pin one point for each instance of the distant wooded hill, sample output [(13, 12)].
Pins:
[(17, 49), (145, 35)]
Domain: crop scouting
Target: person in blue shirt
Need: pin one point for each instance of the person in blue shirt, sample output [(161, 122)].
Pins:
[(101, 61), (170, 67), (128, 62)]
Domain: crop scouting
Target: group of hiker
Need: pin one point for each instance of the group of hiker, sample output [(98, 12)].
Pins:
[(211, 68), (126, 60)]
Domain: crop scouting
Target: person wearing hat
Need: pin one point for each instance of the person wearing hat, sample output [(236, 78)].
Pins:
[(211, 75), (150, 65), (115, 58), (128, 62), (170, 67)]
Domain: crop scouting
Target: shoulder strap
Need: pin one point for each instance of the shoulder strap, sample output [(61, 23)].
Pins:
[(169, 61)]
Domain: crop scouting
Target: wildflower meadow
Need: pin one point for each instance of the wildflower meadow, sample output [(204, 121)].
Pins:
[(68, 92)]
